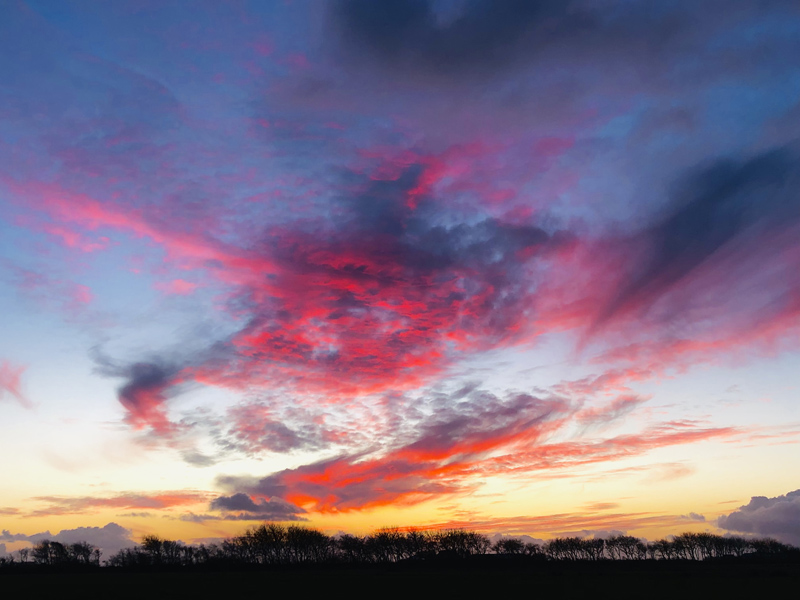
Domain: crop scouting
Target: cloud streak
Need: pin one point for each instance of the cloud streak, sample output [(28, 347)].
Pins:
[(11, 383), (67, 505)]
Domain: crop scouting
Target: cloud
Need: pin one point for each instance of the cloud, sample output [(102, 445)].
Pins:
[(387, 292), (178, 287), (368, 224), (128, 112), (446, 442), (614, 411), (273, 509), (144, 394), (11, 383), (110, 538), (597, 534), (777, 517), (274, 427), (64, 505), (525, 539), (64, 295), (598, 506), (441, 442), (582, 524), (731, 207), (482, 34), (693, 516)]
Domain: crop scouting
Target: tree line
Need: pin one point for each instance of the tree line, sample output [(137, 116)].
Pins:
[(277, 544)]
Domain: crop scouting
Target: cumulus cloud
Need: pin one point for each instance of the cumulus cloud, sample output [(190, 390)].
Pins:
[(693, 516), (777, 517), (110, 538)]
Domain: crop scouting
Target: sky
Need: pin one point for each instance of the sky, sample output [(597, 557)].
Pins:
[(526, 267)]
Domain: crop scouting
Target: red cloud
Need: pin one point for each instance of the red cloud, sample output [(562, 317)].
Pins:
[(144, 395), (506, 437), (391, 285)]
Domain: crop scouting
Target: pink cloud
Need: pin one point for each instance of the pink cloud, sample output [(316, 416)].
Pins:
[(68, 296), (11, 383), (178, 287), (73, 239), (66, 505)]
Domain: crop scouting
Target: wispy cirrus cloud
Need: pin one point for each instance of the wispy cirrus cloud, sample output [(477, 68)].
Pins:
[(582, 523), (66, 505), (11, 383)]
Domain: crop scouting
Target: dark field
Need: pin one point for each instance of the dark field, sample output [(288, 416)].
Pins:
[(644, 580)]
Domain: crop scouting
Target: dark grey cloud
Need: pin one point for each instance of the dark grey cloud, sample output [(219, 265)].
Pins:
[(273, 509), (777, 517), (731, 205), (483, 37), (483, 33), (146, 389)]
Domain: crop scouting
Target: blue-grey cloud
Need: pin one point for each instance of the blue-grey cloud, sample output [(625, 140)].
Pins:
[(777, 517), (110, 538), (273, 509), (731, 205)]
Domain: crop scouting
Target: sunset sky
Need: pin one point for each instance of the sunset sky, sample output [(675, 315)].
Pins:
[(528, 267)]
